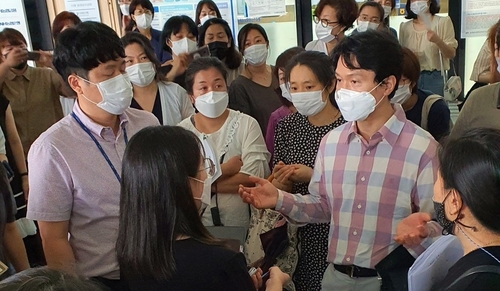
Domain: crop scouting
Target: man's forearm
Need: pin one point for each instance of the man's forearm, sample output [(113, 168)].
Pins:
[(59, 255)]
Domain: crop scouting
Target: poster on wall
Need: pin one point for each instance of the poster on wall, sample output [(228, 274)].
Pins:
[(260, 8), (12, 15), (165, 10), (87, 10), (478, 16)]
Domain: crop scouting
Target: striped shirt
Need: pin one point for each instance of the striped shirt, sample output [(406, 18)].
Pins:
[(482, 63), (365, 188)]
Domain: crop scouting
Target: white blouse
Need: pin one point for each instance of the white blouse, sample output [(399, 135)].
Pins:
[(426, 51), (240, 135)]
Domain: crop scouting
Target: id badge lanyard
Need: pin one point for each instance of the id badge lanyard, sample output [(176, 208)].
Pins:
[(99, 147)]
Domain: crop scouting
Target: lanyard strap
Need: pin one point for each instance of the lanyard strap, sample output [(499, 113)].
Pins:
[(103, 153)]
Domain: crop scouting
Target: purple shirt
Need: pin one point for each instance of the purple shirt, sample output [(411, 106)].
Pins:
[(276, 116), (70, 180), (365, 188)]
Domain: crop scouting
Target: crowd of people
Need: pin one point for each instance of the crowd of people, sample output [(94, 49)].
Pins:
[(120, 156)]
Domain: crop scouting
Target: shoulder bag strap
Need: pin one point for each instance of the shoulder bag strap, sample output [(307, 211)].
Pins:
[(426, 108), (489, 269)]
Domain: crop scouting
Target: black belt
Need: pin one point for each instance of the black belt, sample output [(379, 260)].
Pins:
[(355, 271)]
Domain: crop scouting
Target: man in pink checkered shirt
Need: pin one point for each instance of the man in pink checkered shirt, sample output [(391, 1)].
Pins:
[(369, 173)]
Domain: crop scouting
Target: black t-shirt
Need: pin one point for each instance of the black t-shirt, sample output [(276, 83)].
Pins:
[(438, 119), (201, 267), (7, 212), (476, 282), (156, 107)]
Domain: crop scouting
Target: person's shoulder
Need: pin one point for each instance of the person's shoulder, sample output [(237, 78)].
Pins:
[(217, 252), (292, 119), (141, 116), (486, 94), (242, 118), (186, 123), (312, 45), (171, 87), (57, 133)]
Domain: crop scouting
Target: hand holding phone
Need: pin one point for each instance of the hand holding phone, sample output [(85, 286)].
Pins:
[(201, 52), (33, 56)]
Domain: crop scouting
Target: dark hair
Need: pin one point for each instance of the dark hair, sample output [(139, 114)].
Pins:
[(146, 4), (173, 25), (376, 6), (433, 9), (318, 63), (45, 279), (82, 48), (243, 33), (374, 51), (12, 36), (233, 57), (347, 11), (156, 202), (202, 64), (411, 68), (61, 20), (281, 63), (135, 37), (471, 166), (211, 4)]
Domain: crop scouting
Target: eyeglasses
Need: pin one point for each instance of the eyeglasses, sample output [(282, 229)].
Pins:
[(209, 166), (141, 12), (324, 22)]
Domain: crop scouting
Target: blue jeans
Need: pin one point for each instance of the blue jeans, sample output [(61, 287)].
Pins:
[(431, 81)]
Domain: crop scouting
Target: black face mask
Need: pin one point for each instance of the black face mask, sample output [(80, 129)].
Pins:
[(446, 224), (218, 49), (21, 65)]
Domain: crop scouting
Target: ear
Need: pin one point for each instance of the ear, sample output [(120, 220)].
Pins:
[(74, 83), (191, 97), (389, 85), (168, 42), (453, 205), (331, 87)]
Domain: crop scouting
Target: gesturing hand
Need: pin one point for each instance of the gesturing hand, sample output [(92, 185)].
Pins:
[(263, 196), (412, 229)]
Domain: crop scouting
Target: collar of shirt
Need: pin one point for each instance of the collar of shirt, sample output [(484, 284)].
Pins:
[(389, 131), (27, 74), (105, 133)]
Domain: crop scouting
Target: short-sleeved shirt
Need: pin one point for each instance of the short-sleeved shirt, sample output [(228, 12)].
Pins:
[(254, 99), (438, 119), (161, 54), (70, 180), (480, 110), (426, 51), (482, 62), (242, 136), (34, 98)]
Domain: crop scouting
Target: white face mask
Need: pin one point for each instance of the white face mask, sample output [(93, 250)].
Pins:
[(124, 9), (143, 21), (184, 45), (256, 54), (419, 7), (402, 94), (284, 91), (116, 94), (308, 103), (366, 25), (356, 106), (205, 18), (498, 65), (206, 193), (325, 33), (141, 74), (212, 104), (387, 11)]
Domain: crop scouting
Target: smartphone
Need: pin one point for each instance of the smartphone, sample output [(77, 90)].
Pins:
[(201, 52), (33, 56)]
